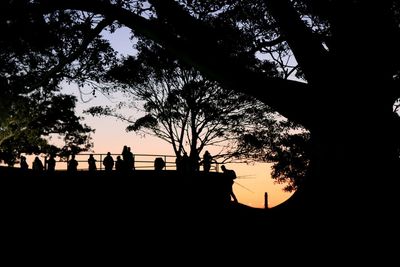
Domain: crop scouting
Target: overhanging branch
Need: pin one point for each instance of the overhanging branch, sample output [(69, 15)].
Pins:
[(308, 50), (290, 98), (75, 54)]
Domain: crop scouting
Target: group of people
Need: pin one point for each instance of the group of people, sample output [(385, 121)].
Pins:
[(187, 164), (184, 164), (229, 175), (126, 163), (37, 164)]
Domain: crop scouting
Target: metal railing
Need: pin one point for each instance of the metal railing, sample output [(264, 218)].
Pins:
[(142, 161)]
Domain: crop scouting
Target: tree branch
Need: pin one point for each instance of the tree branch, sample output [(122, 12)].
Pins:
[(308, 50), (292, 99), (5, 138), (74, 55), (271, 43)]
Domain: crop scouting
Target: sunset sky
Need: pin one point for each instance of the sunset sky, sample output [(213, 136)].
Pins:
[(110, 136), (253, 180)]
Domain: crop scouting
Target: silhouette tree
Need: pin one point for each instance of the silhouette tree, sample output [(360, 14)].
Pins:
[(35, 120), (280, 142), (332, 43), (179, 106)]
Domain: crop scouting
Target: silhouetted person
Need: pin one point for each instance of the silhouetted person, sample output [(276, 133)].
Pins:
[(92, 163), (207, 160), (37, 164), (125, 157), (130, 160), (108, 162), (72, 164), (159, 164), (119, 164), (124, 150), (51, 164), (24, 165), (231, 176)]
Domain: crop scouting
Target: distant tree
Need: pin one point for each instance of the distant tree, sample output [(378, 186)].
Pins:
[(34, 120), (179, 105), (282, 143)]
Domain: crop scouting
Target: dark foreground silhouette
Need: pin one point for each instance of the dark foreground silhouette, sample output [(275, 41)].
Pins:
[(161, 213), (155, 199)]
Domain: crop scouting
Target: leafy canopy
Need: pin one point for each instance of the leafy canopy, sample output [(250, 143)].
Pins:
[(38, 53), (178, 104)]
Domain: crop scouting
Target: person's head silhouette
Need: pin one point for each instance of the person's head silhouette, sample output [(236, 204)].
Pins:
[(223, 168)]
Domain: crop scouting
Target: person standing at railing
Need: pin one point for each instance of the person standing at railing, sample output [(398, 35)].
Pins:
[(159, 164), (92, 163), (108, 162), (206, 162), (119, 164), (50, 164), (72, 164), (130, 160), (37, 165), (24, 165)]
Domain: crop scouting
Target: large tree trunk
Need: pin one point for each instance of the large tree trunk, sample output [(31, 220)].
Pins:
[(354, 172), (354, 166)]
